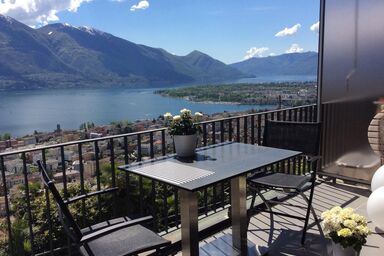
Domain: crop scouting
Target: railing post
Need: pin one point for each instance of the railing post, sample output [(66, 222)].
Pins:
[(7, 212), (82, 189), (126, 156), (138, 147), (253, 129), (48, 205), (205, 134), (259, 129), (176, 205), (152, 154), (222, 133), (295, 114), (62, 155), (154, 210), (245, 125), (29, 212), (112, 161), (166, 206), (230, 130), (97, 172), (163, 151)]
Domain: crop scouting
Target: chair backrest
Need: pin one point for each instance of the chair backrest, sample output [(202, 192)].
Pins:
[(298, 136), (66, 217)]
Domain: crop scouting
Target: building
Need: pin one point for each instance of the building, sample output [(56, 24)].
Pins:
[(71, 176)]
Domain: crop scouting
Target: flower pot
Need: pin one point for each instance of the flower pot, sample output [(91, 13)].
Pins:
[(185, 145), (339, 250)]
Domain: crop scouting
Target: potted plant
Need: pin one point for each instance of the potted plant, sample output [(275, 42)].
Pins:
[(347, 229), (184, 129)]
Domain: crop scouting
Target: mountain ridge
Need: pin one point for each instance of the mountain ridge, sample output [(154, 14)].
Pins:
[(286, 64), (60, 56), (67, 56)]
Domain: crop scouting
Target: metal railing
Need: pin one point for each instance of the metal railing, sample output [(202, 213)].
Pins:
[(97, 168)]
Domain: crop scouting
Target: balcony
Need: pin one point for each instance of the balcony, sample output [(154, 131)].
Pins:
[(284, 238), (30, 216)]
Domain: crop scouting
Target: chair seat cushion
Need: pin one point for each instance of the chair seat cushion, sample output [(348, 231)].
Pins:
[(280, 180), (126, 241)]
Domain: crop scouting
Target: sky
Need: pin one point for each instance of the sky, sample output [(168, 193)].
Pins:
[(228, 30)]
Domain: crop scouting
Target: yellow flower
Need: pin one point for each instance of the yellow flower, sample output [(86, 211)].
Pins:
[(198, 116), (363, 230), (167, 115), (177, 118), (185, 111), (359, 219), (351, 224), (336, 210), (345, 232), (346, 223), (325, 215), (346, 213)]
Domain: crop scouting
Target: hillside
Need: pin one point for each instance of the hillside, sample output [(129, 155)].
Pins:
[(285, 64), (25, 57), (61, 56)]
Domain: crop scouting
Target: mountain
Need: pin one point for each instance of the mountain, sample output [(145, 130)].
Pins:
[(285, 64), (210, 67), (107, 58), (61, 56), (25, 57)]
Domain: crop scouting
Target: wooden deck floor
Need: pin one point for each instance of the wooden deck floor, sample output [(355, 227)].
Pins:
[(284, 238)]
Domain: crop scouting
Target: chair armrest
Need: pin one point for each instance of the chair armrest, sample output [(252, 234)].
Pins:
[(257, 174), (312, 158), (85, 196), (110, 229)]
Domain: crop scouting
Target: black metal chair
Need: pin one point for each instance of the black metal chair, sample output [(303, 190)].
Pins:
[(298, 136), (119, 236)]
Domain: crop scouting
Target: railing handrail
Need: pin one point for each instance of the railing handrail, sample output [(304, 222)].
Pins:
[(254, 114), (76, 142)]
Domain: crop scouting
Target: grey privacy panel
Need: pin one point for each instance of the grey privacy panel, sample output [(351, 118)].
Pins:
[(353, 53)]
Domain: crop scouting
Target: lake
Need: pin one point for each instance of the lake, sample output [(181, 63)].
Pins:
[(22, 112)]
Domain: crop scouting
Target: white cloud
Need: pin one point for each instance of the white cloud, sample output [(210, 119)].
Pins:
[(255, 52), (315, 27), (38, 12), (272, 54), (288, 31), (294, 48), (142, 5)]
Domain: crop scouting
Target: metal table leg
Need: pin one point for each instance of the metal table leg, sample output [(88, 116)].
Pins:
[(239, 213), (189, 225)]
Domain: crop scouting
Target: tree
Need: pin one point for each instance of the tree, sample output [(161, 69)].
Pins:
[(5, 136), (86, 126), (123, 126), (93, 213)]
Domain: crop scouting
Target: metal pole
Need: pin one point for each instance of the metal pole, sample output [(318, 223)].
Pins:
[(239, 213), (189, 225)]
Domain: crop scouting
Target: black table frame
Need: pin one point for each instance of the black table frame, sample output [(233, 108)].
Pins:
[(228, 161)]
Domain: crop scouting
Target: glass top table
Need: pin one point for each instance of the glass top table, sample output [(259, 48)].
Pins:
[(210, 165)]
